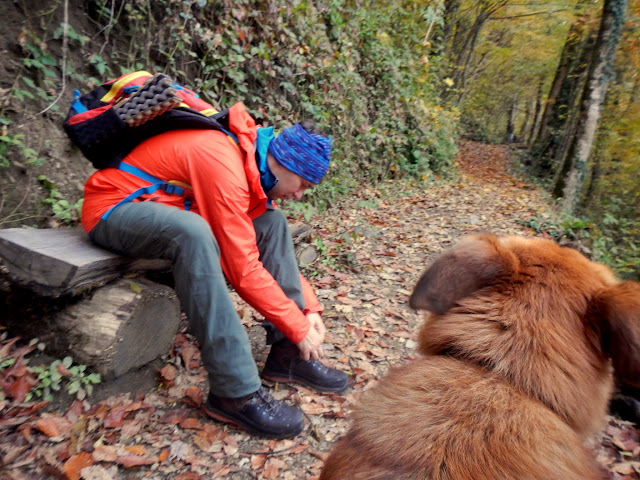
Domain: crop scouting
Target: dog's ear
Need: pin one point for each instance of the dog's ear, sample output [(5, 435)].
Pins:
[(615, 313), (474, 263)]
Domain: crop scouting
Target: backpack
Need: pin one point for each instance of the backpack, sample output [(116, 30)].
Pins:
[(111, 120)]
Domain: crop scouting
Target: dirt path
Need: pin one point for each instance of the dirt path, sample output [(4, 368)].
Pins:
[(375, 246)]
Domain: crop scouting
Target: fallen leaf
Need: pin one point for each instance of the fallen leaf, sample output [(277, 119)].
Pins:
[(18, 388), (355, 332), (136, 449), (272, 467), (190, 353), (194, 395), (75, 411), (130, 428), (164, 454), (76, 463), (139, 405), (168, 374), (229, 450), (174, 417), (347, 300), (209, 441), (623, 468), (105, 453), (128, 461), (20, 352), (220, 470), (303, 447), (178, 450), (53, 426), (115, 417), (257, 461), (28, 410), (628, 445), (320, 455), (190, 423), (12, 453), (62, 370), (313, 408), (344, 308), (6, 346), (95, 472)]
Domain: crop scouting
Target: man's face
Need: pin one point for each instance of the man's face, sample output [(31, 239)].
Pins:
[(290, 186)]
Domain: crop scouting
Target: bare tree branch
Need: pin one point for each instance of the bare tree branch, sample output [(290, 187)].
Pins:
[(65, 42), (529, 14)]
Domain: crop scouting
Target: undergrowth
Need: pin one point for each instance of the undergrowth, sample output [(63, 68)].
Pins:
[(362, 70), (21, 381)]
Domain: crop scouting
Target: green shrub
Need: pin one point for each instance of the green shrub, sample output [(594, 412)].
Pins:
[(361, 70)]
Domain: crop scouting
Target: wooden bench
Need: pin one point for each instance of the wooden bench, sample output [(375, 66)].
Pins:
[(111, 323)]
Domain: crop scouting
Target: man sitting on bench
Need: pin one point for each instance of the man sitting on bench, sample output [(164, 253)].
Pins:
[(231, 230)]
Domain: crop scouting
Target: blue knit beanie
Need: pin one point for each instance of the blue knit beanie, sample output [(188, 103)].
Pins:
[(306, 154)]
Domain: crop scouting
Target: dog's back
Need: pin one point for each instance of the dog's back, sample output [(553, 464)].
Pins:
[(515, 375)]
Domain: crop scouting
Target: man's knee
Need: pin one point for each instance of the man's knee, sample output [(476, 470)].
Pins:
[(270, 223), (194, 232), (278, 218)]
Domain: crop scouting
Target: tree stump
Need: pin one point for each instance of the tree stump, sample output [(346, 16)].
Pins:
[(122, 326), (305, 252)]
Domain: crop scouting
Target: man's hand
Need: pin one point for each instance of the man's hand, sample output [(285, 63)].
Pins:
[(316, 322), (311, 346)]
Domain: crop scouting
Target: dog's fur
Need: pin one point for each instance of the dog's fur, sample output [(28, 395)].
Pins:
[(516, 374)]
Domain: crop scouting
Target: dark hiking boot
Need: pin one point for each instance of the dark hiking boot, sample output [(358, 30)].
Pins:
[(258, 413), (285, 365)]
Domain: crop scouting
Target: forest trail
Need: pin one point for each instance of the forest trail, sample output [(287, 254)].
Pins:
[(374, 246)]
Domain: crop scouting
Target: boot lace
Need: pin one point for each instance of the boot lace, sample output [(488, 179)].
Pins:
[(272, 405), (321, 366)]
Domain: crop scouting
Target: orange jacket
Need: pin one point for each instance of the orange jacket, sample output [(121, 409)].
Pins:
[(227, 193)]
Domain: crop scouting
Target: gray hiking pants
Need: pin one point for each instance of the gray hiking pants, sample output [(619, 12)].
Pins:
[(152, 230)]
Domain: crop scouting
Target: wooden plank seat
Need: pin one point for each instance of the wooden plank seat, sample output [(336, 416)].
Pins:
[(63, 261)]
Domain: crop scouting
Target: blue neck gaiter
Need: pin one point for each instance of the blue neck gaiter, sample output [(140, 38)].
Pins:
[(267, 179)]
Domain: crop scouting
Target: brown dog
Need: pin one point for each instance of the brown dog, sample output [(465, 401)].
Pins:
[(516, 373)]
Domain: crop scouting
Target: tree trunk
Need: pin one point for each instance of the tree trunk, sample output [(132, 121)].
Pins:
[(554, 128), (524, 128), (450, 11), (511, 127), (565, 119), (590, 198), (535, 124), (569, 52), (568, 186)]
